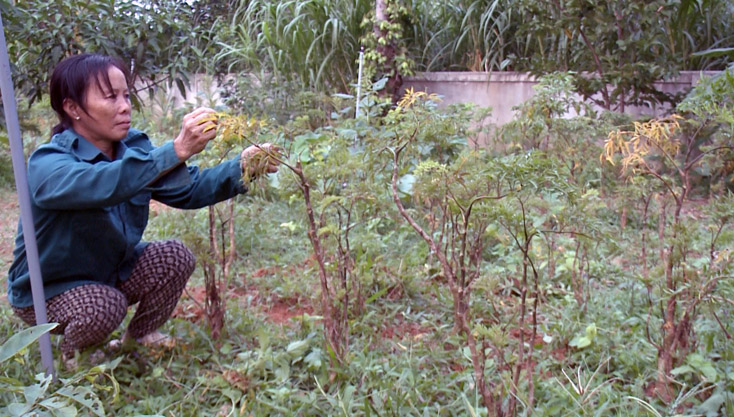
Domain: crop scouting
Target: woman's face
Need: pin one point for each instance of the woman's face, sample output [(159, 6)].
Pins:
[(107, 116)]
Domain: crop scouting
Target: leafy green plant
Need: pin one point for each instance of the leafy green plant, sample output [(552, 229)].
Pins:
[(455, 204), (235, 133), (333, 181), (45, 397), (656, 149), (558, 122), (22, 339), (149, 38), (628, 46)]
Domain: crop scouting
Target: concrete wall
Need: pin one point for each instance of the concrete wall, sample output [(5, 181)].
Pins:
[(499, 90), (504, 90)]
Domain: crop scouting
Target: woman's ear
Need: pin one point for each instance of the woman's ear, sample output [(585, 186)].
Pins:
[(72, 109)]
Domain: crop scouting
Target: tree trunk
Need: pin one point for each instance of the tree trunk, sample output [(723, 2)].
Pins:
[(387, 49), (232, 253), (333, 328), (214, 308)]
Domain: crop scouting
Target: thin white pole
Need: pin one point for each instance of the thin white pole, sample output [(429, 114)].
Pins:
[(24, 199), (359, 80)]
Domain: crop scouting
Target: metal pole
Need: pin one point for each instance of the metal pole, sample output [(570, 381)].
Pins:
[(24, 199), (359, 80)]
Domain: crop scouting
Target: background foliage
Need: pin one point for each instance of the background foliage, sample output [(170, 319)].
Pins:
[(276, 47), (547, 287)]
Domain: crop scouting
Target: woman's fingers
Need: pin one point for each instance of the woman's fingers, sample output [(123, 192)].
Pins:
[(198, 128), (261, 159), (198, 112), (273, 159), (201, 120)]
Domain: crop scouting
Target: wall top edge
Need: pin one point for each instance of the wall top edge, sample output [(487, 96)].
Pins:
[(522, 77)]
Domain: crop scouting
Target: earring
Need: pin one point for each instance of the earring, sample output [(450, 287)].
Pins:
[(77, 118)]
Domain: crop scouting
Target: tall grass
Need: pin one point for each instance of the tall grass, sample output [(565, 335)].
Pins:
[(314, 42)]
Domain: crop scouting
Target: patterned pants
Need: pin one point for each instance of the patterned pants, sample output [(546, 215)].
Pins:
[(88, 314)]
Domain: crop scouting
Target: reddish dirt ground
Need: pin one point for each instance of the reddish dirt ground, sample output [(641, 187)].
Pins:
[(8, 226), (276, 310), (9, 214)]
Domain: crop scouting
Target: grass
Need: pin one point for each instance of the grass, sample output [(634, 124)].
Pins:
[(404, 358)]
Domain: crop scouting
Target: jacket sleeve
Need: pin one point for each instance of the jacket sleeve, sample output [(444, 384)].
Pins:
[(189, 187), (59, 180)]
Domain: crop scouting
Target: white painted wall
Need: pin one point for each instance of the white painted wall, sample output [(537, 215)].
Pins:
[(499, 90), (504, 90)]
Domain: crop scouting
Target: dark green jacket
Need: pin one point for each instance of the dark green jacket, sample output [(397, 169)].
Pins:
[(90, 212)]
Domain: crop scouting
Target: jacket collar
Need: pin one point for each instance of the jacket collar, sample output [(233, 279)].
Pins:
[(84, 149)]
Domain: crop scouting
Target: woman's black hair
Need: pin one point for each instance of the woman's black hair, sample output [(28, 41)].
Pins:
[(71, 80)]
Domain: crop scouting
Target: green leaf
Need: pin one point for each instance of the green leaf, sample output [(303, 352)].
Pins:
[(291, 226), (328, 200), (472, 412), (16, 409), (313, 359), (298, 348), (157, 372), (405, 184), (703, 365), (380, 84), (283, 372), (20, 340), (348, 395), (682, 370), (266, 30), (580, 342), (326, 229), (712, 405), (56, 404), (591, 331), (33, 392), (85, 397), (376, 295), (709, 371), (714, 52), (68, 411), (232, 394)]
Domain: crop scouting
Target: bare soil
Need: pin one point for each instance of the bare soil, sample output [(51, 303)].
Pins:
[(9, 214)]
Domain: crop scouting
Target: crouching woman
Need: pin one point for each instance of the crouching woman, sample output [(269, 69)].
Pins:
[(90, 189)]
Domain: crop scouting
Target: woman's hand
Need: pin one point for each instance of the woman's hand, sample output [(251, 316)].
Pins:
[(196, 132), (260, 159)]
